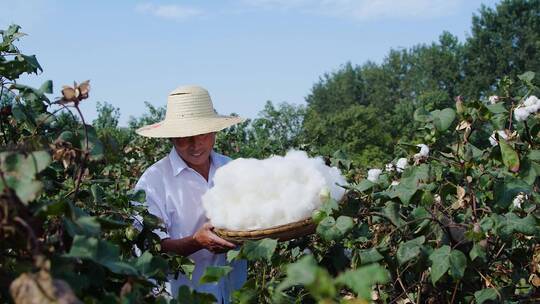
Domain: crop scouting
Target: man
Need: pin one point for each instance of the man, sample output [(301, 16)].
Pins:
[(175, 184)]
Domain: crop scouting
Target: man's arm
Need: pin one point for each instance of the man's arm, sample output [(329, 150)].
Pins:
[(204, 238)]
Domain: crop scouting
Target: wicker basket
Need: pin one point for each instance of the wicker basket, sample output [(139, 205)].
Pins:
[(282, 232)]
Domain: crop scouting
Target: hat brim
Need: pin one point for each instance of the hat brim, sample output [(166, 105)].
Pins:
[(188, 127)]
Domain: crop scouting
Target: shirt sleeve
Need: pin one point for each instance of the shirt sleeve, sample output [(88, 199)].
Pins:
[(156, 204)]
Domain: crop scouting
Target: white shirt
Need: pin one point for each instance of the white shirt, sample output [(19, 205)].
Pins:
[(173, 193)]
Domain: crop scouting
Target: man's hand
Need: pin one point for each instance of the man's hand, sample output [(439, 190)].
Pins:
[(206, 238)]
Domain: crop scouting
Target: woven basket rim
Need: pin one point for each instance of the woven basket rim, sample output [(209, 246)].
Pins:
[(282, 227)]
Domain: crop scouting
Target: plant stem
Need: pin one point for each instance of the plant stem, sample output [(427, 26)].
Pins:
[(85, 158)]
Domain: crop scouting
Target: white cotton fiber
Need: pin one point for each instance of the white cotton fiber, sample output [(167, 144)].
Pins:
[(255, 194)]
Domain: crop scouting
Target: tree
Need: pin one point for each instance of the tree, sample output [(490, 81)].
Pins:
[(505, 41), (108, 116)]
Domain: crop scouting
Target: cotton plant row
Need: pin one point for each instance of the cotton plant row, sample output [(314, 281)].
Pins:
[(257, 194), (527, 107)]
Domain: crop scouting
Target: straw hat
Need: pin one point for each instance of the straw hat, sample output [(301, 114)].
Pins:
[(189, 112)]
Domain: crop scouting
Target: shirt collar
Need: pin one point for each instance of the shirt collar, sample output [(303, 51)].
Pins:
[(178, 164)]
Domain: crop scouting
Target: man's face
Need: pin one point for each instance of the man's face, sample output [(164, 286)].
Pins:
[(195, 150)]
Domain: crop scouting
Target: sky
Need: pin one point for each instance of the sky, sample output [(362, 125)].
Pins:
[(245, 52)]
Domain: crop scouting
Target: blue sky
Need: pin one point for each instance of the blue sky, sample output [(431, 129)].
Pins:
[(244, 52)]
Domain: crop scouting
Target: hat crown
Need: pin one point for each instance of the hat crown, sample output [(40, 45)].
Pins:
[(188, 102)]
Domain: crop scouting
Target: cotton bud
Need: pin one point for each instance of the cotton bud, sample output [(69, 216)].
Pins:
[(493, 99), (395, 183), (401, 164), (324, 194), (437, 199), (459, 105), (306, 251), (373, 175)]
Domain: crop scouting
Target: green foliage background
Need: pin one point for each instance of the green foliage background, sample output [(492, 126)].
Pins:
[(448, 232)]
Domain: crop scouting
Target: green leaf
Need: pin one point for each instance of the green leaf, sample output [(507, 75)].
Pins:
[(361, 280), (509, 156), (443, 119), (259, 250), (331, 229), (88, 225), (214, 274), (368, 256), (232, 255), (137, 195), (26, 166), (527, 76), (410, 249), (440, 263), (302, 272), (101, 252), (477, 252), (458, 263), (534, 155), (363, 186), (512, 223), (391, 210), (445, 259), (497, 108), (306, 272), (27, 190), (421, 115), (329, 206), (46, 87), (187, 295), (98, 193), (488, 294), (344, 224)]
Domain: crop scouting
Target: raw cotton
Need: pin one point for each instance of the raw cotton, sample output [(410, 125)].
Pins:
[(256, 194), (530, 106), (373, 175), (493, 140)]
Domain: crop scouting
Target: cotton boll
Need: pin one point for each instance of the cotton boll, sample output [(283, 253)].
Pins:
[(521, 114), (531, 101), (389, 167), (424, 150), (255, 194), (423, 154), (401, 164), (373, 175), (493, 140), (519, 199), (493, 99)]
